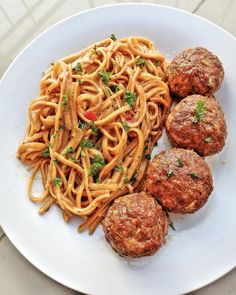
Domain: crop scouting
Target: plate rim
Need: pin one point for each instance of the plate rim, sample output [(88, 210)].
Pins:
[(9, 235)]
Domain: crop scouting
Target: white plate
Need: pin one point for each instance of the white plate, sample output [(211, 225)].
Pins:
[(204, 246)]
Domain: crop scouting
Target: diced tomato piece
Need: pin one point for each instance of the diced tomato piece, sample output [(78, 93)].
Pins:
[(128, 117), (91, 116)]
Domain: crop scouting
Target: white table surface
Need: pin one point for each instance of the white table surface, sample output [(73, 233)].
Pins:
[(20, 22)]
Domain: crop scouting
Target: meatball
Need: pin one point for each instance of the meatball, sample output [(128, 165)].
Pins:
[(197, 122), (180, 180), (135, 225), (195, 71)]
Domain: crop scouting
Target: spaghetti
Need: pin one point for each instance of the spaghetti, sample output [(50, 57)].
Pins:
[(93, 127)]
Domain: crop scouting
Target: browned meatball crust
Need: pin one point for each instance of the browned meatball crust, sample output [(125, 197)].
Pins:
[(205, 134), (195, 71), (135, 225), (180, 179)]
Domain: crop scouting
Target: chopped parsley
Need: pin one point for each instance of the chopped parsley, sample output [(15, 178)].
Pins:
[(65, 100), (104, 76), (208, 139), (97, 180), (147, 156), (94, 128), (125, 126), (156, 63), (180, 163), (199, 111), (169, 173), (57, 181), (171, 224), (115, 88), (95, 49), (193, 175), (107, 91), (46, 153), (69, 150), (62, 127), (79, 82), (113, 37), (130, 98), (73, 159), (83, 125), (99, 160), (98, 163), (140, 62), (119, 168), (86, 143), (78, 68), (126, 181), (82, 154)]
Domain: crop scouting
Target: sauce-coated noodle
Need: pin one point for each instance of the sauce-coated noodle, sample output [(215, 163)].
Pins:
[(94, 125)]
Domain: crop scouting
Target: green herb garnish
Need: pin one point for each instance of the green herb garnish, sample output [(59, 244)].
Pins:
[(107, 91), (180, 163), (115, 88), (193, 175), (55, 161), (156, 63), (125, 126), (147, 156), (199, 111), (171, 224), (57, 181), (126, 181), (73, 159), (98, 163), (69, 150), (86, 143), (130, 98), (82, 154), (46, 153), (95, 49), (62, 127), (169, 173), (65, 100), (113, 37), (208, 139), (78, 68), (104, 76), (119, 168), (140, 62), (83, 125), (94, 128), (79, 82)]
